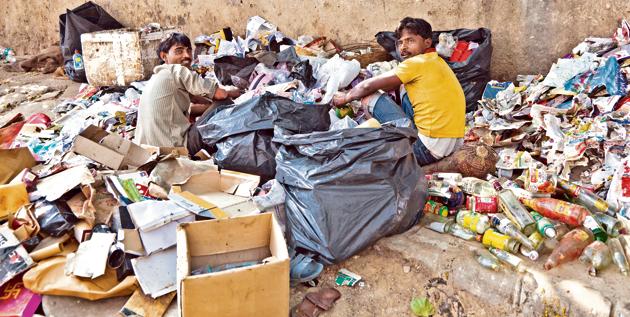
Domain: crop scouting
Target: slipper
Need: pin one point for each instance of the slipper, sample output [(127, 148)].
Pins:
[(307, 309), (324, 298), (304, 269)]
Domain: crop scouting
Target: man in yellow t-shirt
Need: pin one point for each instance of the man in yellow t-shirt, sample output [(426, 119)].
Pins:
[(433, 98)]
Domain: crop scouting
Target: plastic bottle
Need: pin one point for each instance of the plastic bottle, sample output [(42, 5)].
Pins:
[(487, 260), (509, 204), (471, 220), (505, 226), (586, 198), (561, 229), (477, 187), (611, 224), (592, 224), (496, 183), (597, 255), (571, 214), (544, 226), (77, 59), (461, 232), (441, 227), (569, 248), (492, 238), (618, 255), (508, 258)]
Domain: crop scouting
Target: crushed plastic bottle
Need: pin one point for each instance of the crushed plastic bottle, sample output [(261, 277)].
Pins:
[(569, 248), (618, 255), (597, 255)]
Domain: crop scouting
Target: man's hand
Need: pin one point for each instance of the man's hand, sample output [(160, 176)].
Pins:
[(224, 92), (339, 99)]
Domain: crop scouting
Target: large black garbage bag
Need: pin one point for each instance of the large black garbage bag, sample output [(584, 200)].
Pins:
[(240, 135), (227, 67), (473, 74), (86, 18), (346, 189)]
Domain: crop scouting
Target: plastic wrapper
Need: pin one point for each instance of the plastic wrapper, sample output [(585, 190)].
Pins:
[(274, 195), (348, 188), (337, 73), (240, 135), (55, 218)]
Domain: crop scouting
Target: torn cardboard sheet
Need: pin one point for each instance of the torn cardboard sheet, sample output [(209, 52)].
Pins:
[(162, 237), (150, 214), (142, 305), (218, 195), (54, 186), (156, 273), (13, 162), (94, 204), (90, 259), (109, 149), (12, 197)]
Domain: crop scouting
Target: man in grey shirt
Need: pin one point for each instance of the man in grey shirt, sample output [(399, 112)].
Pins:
[(165, 104)]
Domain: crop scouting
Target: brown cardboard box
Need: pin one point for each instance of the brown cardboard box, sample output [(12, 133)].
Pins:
[(109, 149), (13, 162), (257, 290), (217, 194)]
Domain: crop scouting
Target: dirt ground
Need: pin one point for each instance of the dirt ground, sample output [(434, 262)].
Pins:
[(390, 281)]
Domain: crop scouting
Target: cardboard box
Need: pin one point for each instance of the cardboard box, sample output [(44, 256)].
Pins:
[(256, 290), (217, 194), (109, 149), (13, 162)]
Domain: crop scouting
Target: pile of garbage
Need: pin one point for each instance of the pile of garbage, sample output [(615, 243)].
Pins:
[(563, 165)]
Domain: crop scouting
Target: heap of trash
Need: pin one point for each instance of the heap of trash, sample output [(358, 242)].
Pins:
[(282, 178)]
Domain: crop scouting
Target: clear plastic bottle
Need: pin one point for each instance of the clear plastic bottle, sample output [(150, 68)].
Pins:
[(487, 260), (597, 255), (569, 248), (505, 226), (471, 220), (461, 232), (618, 255), (508, 258), (477, 187)]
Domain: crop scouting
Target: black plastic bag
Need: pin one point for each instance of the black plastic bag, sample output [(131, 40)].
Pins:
[(228, 66), (345, 189), (473, 74), (55, 218), (240, 135), (303, 71), (86, 18)]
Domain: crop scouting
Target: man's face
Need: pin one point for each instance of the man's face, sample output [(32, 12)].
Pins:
[(411, 44), (178, 54)]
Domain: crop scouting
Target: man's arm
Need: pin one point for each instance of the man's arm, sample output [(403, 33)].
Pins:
[(386, 82), (199, 86)]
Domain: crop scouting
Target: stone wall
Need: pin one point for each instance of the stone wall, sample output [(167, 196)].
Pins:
[(528, 35)]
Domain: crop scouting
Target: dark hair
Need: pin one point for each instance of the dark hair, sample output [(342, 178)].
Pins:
[(416, 26), (172, 39)]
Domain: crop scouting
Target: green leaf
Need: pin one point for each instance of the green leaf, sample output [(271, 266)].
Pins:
[(422, 307)]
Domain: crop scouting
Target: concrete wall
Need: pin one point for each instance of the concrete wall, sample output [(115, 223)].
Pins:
[(528, 34)]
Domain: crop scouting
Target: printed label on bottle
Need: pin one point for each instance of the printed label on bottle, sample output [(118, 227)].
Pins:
[(494, 239), (581, 235)]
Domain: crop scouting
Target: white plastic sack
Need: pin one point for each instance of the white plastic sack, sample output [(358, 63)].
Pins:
[(335, 74)]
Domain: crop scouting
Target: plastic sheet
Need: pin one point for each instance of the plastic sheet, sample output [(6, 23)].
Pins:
[(55, 218)]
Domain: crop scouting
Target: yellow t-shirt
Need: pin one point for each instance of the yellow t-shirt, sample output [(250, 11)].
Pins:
[(438, 101)]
